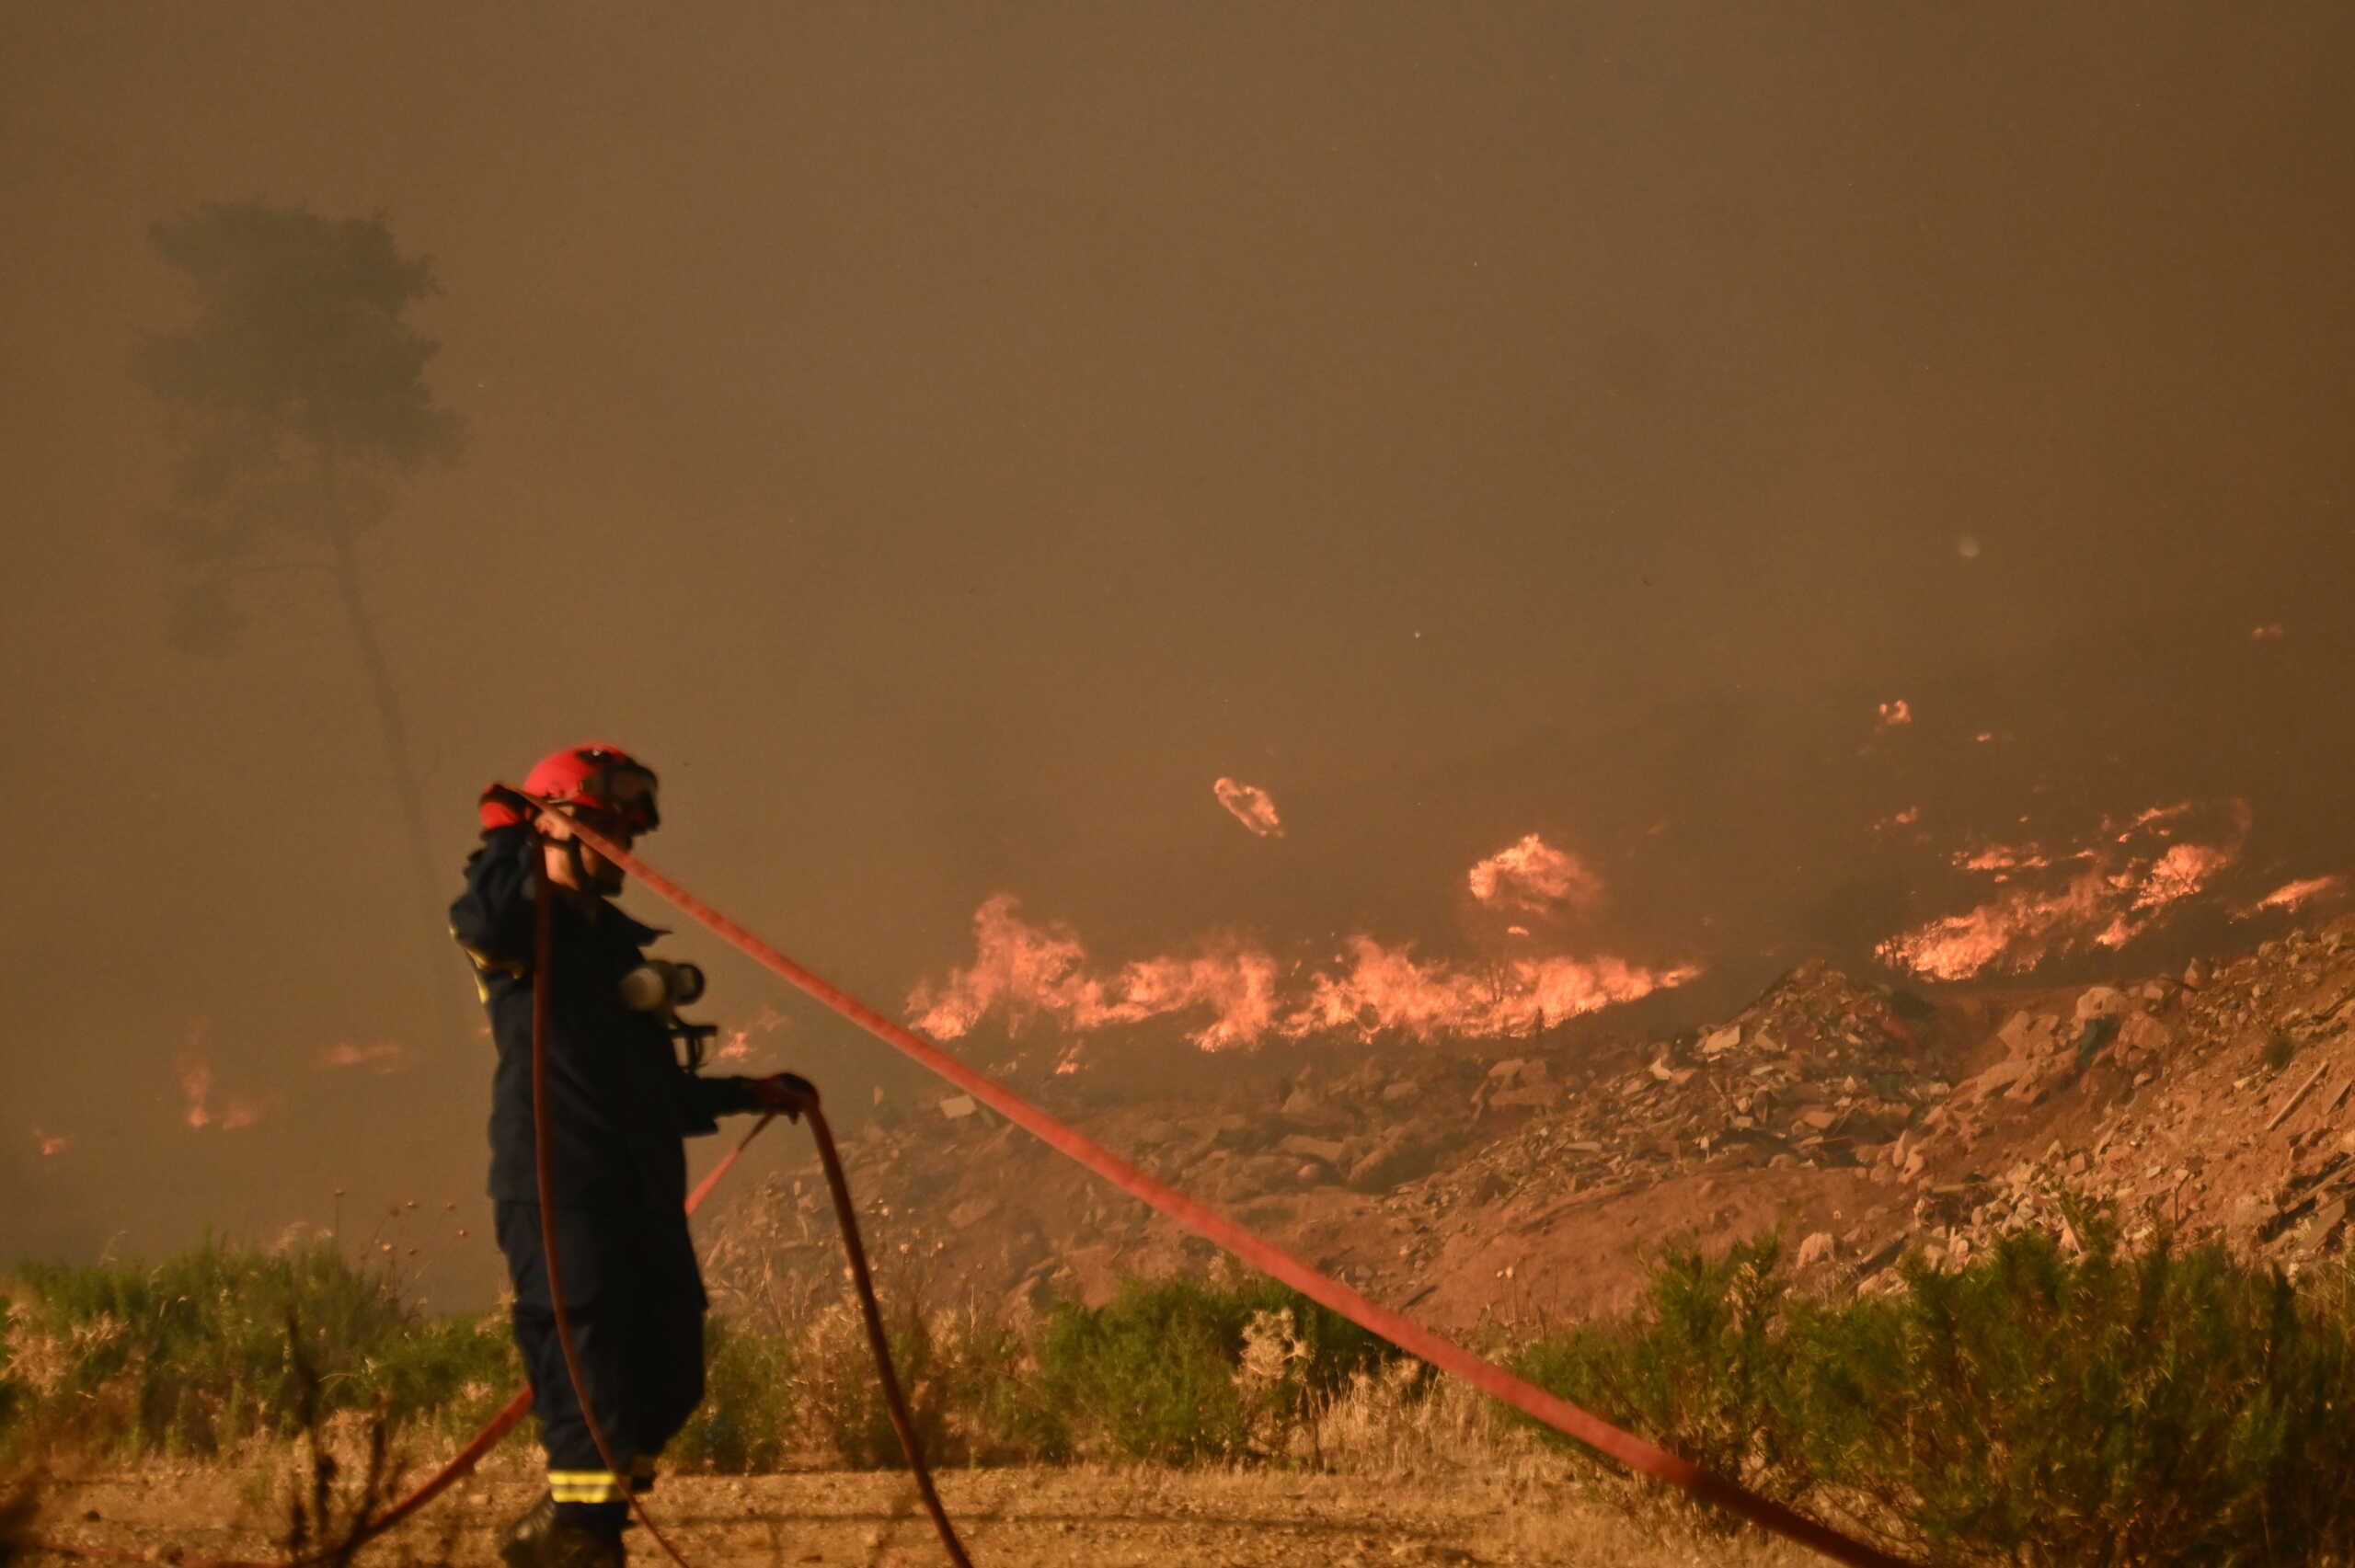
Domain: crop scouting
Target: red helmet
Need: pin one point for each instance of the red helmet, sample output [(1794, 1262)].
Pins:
[(598, 778)]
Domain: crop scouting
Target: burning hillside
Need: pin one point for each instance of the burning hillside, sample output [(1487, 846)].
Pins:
[(1535, 943), (1230, 991), (1471, 1180)]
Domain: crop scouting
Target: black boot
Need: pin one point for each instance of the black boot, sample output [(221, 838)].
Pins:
[(540, 1539)]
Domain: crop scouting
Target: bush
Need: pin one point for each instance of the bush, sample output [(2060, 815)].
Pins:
[(749, 1421), (2033, 1407), (2112, 1408), (1175, 1371), (1697, 1370), (190, 1356)]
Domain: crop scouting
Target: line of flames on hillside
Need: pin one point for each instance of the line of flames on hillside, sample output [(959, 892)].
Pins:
[(1028, 973), (2050, 899), (2062, 900)]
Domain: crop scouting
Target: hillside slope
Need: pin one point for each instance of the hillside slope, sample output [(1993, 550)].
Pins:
[(1522, 1183)]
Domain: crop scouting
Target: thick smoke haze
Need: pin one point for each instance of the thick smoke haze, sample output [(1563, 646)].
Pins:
[(949, 440)]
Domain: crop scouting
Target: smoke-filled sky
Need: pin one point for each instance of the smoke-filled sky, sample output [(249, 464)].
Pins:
[(947, 440)]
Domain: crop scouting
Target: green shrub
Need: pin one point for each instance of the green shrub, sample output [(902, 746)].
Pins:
[(1697, 1368), (1176, 1371), (750, 1420), (190, 1356), (2162, 1406), (2033, 1407)]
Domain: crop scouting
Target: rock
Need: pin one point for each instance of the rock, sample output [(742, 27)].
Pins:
[(2195, 973), (972, 1212), (2142, 1033), (1397, 1156), (1325, 1149), (958, 1106), (1232, 1132), (1995, 1080), (1533, 1096), (1721, 1041), (1880, 1257), (2101, 1001), (1401, 1092), (1816, 1249)]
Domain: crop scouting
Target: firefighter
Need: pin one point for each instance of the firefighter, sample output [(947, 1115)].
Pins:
[(619, 1104)]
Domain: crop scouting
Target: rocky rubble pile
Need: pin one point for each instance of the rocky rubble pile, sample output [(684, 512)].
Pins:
[(2213, 1103)]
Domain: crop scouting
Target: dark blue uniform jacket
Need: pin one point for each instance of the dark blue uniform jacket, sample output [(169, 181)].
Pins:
[(619, 1103)]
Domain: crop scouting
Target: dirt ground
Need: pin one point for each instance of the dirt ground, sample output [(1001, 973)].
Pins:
[(1010, 1518)]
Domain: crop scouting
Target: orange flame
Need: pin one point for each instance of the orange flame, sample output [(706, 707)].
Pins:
[(1250, 806), (51, 1143), (2122, 893), (2294, 896), (1894, 714), (382, 1056), (196, 1092), (1385, 988), (1533, 875), (1024, 973), (2271, 632)]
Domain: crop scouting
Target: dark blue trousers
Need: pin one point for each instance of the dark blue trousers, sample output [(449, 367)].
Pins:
[(634, 1299)]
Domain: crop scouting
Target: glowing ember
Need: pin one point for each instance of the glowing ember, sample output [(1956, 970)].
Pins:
[(737, 1046), (1533, 875), (2004, 858), (2272, 632), (196, 1093), (196, 1090), (51, 1144), (1893, 714), (1024, 973), (2293, 895), (1250, 806), (385, 1055), (2125, 883)]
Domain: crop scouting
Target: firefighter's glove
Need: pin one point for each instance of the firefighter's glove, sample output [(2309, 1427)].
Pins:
[(503, 807), (786, 1094)]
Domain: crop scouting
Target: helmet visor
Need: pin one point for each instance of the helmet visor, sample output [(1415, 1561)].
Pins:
[(624, 793)]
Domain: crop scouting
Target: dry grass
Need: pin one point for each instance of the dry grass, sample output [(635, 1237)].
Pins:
[(1102, 1517)]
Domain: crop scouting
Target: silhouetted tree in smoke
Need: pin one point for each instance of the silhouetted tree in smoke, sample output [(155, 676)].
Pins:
[(301, 400)]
